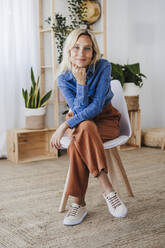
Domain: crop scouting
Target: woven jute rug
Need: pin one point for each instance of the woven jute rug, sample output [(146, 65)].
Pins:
[(30, 196)]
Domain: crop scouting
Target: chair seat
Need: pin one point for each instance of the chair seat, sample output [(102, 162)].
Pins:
[(122, 139)]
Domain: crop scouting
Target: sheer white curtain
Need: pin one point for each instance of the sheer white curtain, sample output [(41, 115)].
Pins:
[(19, 50)]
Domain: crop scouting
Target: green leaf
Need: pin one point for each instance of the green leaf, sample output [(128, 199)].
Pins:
[(23, 93), (35, 96), (45, 98), (33, 102), (38, 81), (26, 98), (38, 99), (29, 102), (31, 91), (32, 78)]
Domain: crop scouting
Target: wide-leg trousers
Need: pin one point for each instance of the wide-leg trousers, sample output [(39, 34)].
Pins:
[(86, 151)]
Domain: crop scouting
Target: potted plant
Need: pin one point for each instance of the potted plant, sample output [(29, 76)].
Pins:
[(131, 80), (35, 105), (129, 76)]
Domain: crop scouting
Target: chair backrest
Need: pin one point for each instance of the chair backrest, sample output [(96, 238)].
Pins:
[(118, 101)]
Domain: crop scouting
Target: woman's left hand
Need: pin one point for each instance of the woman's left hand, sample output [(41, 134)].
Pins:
[(58, 134)]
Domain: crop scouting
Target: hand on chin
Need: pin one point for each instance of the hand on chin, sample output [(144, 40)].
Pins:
[(79, 65)]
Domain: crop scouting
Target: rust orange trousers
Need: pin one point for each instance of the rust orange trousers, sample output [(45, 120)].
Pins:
[(86, 151)]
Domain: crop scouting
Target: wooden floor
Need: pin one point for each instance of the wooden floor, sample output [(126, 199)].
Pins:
[(30, 196)]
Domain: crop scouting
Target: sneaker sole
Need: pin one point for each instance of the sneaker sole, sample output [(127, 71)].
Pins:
[(75, 222)]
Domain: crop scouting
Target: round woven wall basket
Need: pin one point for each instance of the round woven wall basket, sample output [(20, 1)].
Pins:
[(132, 102), (153, 137)]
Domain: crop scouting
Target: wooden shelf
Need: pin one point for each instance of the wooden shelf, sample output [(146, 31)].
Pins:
[(42, 30), (98, 32), (46, 67)]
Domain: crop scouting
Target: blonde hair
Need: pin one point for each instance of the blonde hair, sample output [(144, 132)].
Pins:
[(69, 43)]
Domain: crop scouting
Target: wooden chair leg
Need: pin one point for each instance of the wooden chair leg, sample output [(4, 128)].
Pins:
[(65, 197), (112, 171), (121, 170)]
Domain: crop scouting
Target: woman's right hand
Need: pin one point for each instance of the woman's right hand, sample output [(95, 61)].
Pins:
[(79, 74), (58, 134)]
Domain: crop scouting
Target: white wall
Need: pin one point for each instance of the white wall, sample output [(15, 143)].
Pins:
[(117, 30), (136, 33)]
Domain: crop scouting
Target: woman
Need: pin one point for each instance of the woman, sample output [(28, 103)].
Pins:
[(84, 81)]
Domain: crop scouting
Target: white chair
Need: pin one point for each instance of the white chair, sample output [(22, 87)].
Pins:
[(118, 101)]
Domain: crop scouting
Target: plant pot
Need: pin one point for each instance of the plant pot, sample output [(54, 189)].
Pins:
[(130, 89), (35, 118)]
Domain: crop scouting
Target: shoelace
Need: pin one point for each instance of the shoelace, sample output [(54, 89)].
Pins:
[(114, 201), (73, 210)]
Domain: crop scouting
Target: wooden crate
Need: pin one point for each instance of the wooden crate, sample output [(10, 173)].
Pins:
[(25, 145), (135, 139)]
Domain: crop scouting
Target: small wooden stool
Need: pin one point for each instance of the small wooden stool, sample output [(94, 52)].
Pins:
[(154, 137)]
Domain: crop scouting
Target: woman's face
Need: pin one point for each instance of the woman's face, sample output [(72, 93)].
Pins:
[(82, 51)]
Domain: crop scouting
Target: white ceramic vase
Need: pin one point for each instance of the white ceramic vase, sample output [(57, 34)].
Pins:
[(130, 89)]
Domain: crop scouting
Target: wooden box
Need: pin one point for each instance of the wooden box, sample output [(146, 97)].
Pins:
[(24, 145), (135, 139)]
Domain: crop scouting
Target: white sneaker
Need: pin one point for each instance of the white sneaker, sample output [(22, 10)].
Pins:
[(75, 215), (115, 205)]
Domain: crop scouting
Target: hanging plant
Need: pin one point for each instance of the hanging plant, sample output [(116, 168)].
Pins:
[(61, 31), (77, 11)]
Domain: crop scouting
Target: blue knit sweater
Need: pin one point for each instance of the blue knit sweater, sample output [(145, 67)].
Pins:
[(87, 101)]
